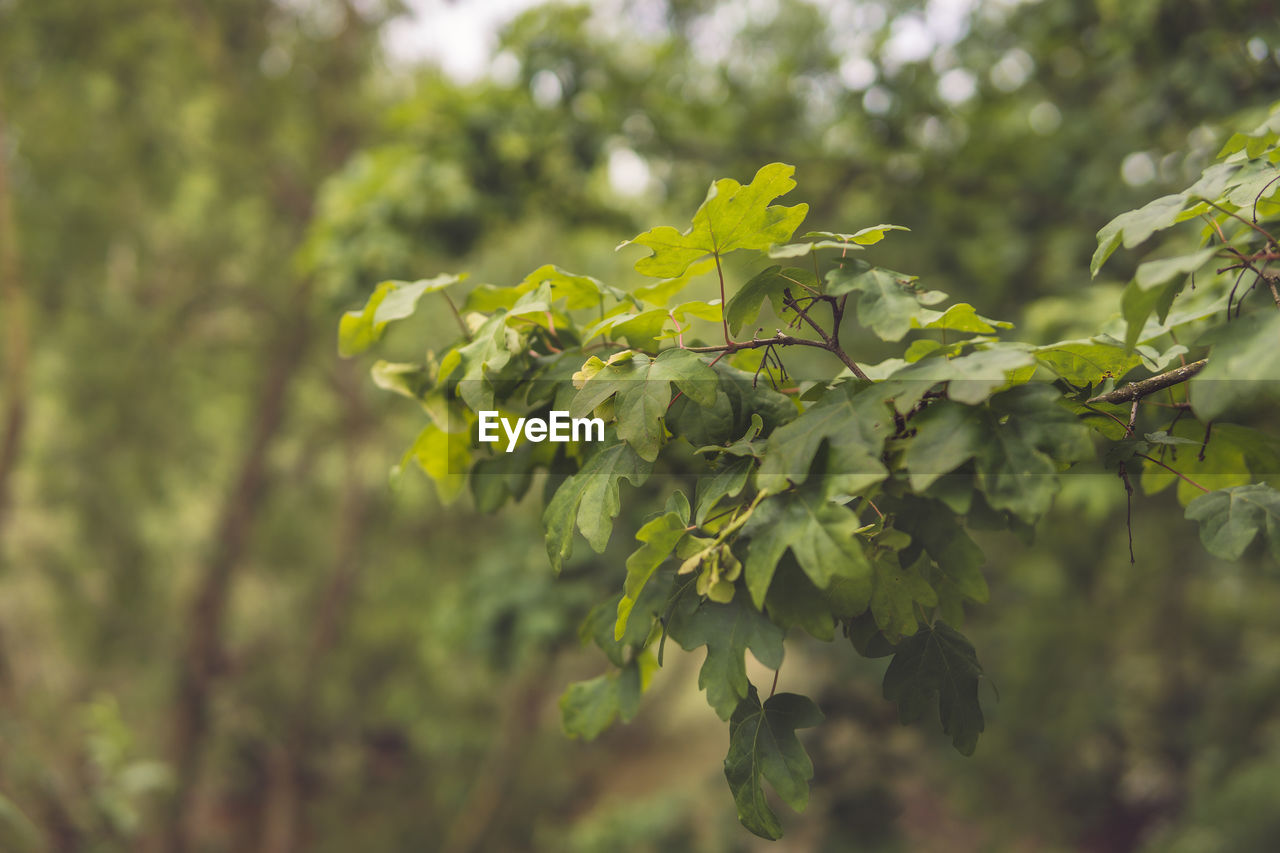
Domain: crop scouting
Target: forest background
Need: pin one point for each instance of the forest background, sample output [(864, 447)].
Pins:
[(222, 629)]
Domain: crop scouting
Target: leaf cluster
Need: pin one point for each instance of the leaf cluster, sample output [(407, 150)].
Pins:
[(842, 507)]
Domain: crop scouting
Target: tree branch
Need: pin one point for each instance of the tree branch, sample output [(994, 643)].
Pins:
[(780, 339), (1138, 390)]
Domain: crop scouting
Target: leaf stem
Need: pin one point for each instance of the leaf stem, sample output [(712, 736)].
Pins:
[(466, 333), (724, 319), (1173, 471)]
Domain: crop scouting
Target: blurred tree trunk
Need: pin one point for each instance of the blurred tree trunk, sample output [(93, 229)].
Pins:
[(282, 811), (203, 651), (15, 346)]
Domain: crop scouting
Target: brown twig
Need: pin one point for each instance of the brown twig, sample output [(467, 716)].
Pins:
[(1255, 226), (1128, 508), (1137, 390), (1173, 471)]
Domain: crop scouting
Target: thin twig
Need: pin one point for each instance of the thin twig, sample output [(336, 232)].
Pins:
[(1257, 198), (1128, 508), (779, 339), (1137, 390), (1173, 471), (1208, 429), (1108, 414), (1255, 226)]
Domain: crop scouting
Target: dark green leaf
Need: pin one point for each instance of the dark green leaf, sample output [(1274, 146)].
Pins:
[(852, 427), (938, 664), (821, 536), (590, 500), (770, 283), (1243, 368), (763, 746), (726, 482), (728, 631), (895, 592), (887, 303), (642, 386), (589, 707), (947, 435)]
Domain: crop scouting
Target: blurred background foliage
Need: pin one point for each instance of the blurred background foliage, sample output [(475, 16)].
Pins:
[(222, 630)]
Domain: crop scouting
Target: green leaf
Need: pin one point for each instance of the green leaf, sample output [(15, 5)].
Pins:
[(486, 356), (642, 330), (1028, 434), (1256, 141), (1109, 237), (589, 707), (701, 425), (1224, 463), (599, 627), (633, 618), (726, 482), (356, 330), (1258, 180), (1243, 368), (794, 602), (711, 311), (958, 575), (1088, 361), (821, 536), (1155, 273), (750, 398), (643, 392), (659, 538), (769, 284), (960, 317), (590, 500), (444, 457), (947, 435), (832, 240), (1134, 227), (661, 293), (763, 746), (862, 237), (852, 427), (728, 631), (938, 664), (391, 300), (887, 304), (1137, 304), (409, 380), (895, 592), (1230, 519), (403, 298), (732, 217), (578, 291), (1162, 437), (970, 379)]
